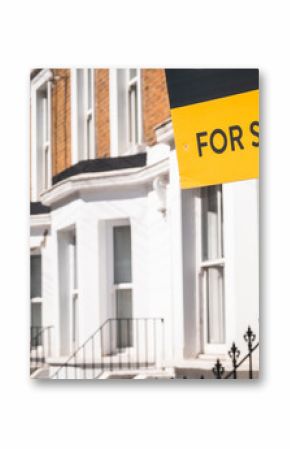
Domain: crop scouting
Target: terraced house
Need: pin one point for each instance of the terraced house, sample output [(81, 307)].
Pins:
[(131, 277)]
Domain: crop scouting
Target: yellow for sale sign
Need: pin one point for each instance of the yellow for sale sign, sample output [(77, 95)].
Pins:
[(215, 115)]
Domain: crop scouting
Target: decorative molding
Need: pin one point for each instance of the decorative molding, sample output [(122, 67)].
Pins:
[(40, 220), (159, 185), (114, 179)]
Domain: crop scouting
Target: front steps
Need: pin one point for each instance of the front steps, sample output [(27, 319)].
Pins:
[(137, 375), (127, 364), (177, 373), (108, 372), (40, 373), (120, 366)]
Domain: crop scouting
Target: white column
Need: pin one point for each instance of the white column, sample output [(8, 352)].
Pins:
[(175, 229), (88, 256)]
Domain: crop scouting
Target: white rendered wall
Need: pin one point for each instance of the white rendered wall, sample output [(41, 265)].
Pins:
[(165, 271), (241, 230), (241, 265), (174, 220), (151, 258)]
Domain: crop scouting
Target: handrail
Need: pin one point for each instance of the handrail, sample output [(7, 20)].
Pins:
[(73, 355), (41, 332), (38, 356), (234, 353), (117, 339)]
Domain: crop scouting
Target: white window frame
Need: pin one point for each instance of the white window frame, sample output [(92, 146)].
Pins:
[(119, 86), (210, 348), (121, 285), (111, 311), (134, 83), (89, 113), (40, 155), (68, 291), (80, 105), (74, 292), (37, 299)]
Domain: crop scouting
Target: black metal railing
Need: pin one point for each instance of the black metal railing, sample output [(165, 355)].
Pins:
[(234, 354), (220, 372), (40, 346), (36, 336), (118, 344)]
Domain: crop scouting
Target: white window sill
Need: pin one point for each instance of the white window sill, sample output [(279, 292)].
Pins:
[(213, 263), (36, 300)]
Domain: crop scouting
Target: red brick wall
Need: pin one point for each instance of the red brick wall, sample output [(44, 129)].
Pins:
[(102, 112), (155, 102), (155, 106), (61, 121)]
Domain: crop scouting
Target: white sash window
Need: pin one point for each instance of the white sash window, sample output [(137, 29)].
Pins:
[(125, 111), (74, 292), (212, 267), (41, 111), (123, 284), (134, 107), (83, 114), (36, 299)]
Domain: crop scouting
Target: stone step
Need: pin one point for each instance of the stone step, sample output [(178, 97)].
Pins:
[(196, 373)]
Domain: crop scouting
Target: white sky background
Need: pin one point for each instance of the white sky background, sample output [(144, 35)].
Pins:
[(148, 33)]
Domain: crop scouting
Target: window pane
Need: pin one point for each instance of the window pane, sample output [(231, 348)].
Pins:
[(122, 254), (35, 276), (74, 279), (75, 319), (89, 136), (215, 305), (46, 168), (36, 315), (90, 88), (80, 81), (212, 223), (132, 73), (45, 118), (124, 321), (36, 323), (75, 266), (133, 114), (136, 115)]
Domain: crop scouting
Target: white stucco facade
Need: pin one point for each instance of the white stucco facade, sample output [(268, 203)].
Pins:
[(166, 256)]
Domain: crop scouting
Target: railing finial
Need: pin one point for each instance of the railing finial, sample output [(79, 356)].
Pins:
[(250, 337), (234, 354), (218, 370)]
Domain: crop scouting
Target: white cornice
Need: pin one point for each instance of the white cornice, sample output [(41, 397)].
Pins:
[(39, 220), (115, 179)]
